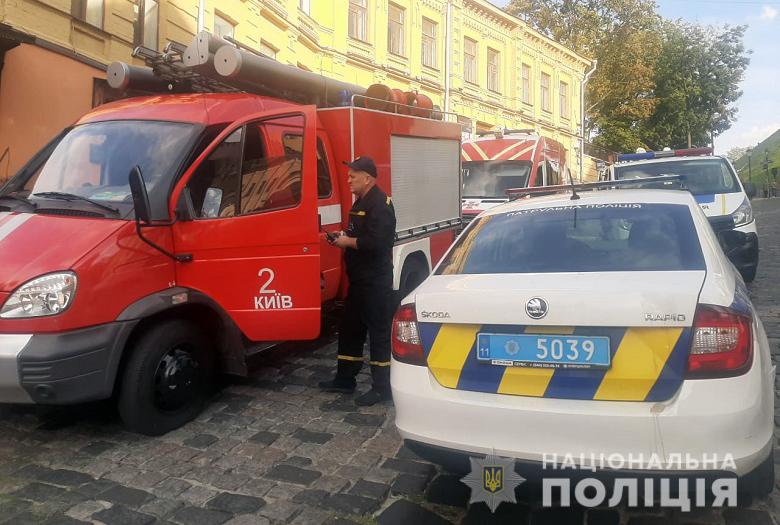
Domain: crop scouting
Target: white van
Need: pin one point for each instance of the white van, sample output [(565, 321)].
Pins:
[(714, 183)]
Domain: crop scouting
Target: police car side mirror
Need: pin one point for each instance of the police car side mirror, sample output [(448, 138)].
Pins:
[(731, 240), (750, 190)]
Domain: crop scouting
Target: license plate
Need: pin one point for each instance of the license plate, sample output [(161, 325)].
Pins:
[(543, 351)]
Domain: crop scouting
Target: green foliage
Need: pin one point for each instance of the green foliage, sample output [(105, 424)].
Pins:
[(697, 81), (758, 155), (658, 82)]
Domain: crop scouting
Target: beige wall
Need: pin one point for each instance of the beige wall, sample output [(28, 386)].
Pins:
[(319, 41), (40, 93)]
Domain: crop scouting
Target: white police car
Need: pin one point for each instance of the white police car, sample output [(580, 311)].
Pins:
[(714, 183), (610, 324)]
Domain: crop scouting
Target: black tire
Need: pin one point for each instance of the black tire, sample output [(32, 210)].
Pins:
[(761, 481), (414, 272), (166, 379), (749, 273)]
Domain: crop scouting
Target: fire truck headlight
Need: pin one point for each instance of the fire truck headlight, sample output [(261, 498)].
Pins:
[(47, 295)]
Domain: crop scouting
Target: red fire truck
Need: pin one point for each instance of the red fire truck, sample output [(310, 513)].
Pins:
[(162, 239), (500, 160)]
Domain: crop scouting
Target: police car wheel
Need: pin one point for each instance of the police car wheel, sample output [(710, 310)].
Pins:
[(761, 481), (166, 378)]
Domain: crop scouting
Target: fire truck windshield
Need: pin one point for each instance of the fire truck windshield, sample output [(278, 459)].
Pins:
[(94, 160), (491, 178)]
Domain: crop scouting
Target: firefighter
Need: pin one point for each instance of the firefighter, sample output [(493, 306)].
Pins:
[(368, 246)]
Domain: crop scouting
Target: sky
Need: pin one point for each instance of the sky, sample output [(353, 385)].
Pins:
[(759, 107)]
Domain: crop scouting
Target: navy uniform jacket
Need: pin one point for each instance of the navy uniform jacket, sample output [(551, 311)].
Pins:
[(372, 223)]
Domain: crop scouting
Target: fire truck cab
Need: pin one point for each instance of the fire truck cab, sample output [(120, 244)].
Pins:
[(505, 159), (160, 240)]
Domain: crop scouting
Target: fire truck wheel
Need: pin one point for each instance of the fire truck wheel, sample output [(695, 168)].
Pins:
[(166, 378)]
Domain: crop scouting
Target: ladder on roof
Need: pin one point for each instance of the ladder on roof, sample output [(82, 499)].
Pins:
[(169, 66)]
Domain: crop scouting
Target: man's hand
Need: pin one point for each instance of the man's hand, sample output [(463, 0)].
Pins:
[(343, 242)]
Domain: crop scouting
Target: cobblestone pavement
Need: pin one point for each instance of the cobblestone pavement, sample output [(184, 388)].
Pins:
[(273, 449)]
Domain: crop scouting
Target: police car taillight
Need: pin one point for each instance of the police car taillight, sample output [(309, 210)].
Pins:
[(722, 343), (407, 347)]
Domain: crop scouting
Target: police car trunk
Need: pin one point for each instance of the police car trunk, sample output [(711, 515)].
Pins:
[(577, 302), (557, 326)]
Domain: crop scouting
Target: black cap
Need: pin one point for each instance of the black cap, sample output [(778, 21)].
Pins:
[(363, 164)]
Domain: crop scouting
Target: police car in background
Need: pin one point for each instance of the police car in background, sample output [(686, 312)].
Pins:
[(715, 185), (609, 324)]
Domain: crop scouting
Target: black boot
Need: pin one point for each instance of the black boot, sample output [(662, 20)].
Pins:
[(343, 385), (374, 396)]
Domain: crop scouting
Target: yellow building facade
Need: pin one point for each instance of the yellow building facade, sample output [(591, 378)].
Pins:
[(472, 59)]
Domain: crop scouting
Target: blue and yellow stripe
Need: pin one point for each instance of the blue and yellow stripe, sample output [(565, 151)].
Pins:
[(648, 364)]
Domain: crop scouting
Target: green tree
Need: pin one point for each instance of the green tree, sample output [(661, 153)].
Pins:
[(697, 80), (624, 36), (659, 82)]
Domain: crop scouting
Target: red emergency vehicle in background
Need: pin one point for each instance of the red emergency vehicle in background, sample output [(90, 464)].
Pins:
[(162, 239), (504, 159)]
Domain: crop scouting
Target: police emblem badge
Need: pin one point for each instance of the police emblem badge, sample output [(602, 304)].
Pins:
[(492, 480)]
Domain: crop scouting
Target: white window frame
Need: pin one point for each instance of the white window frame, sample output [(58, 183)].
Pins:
[(218, 26), (267, 50), (545, 91), (396, 29), (526, 80), (92, 12), (494, 70), (563, 99), (357, 21), (470, 61), (428, 46)]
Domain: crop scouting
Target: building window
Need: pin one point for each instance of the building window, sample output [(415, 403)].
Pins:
[(305, 6), (223, 27), (358, 19), (564, 100), (526, 72), (90, 11), (267, 50), (546, 92), (147, 24), (429, 28), (470, 60), (395, 30), (493, 71)]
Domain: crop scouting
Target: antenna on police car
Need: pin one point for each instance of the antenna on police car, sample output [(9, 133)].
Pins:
[(574, 195)]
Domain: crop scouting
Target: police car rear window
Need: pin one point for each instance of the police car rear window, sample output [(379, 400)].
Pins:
[(579, 238)]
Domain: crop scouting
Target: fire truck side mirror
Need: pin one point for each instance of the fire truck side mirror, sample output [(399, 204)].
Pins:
[(185, 209), (140, 196)]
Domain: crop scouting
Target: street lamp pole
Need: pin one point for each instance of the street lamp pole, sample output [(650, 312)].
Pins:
[(750, 172), (766, 164)]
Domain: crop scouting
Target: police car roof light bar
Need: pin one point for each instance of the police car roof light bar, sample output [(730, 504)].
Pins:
[(661, 182), (690, 152)]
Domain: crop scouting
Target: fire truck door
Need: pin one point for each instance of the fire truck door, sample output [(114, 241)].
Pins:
[(254, 239)]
